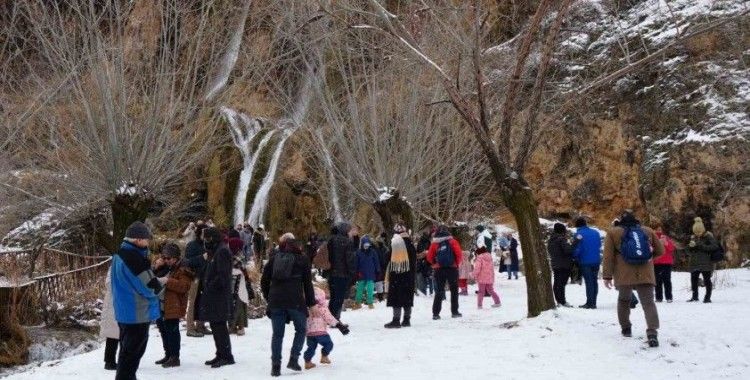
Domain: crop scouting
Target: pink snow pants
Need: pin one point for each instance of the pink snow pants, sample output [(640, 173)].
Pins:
[(489, 288)]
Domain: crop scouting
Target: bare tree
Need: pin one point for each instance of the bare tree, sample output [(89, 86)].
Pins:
[(450, 41), (131, 116), (388, 146)]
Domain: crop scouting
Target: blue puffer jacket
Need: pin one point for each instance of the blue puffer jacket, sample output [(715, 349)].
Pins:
[(368, 264), (588, 246), (135, 289)]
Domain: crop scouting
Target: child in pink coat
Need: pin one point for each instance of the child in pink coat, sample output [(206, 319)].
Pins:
[(317, 330), (484, 274)]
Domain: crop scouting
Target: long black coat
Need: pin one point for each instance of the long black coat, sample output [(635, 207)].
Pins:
[(401, 285), (215, 301), (560, 252), (293, 293)]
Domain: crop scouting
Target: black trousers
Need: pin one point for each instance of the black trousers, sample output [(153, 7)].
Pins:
[(170, 336), (221, 340), (110, 350), (561, 277), (663, 274), (133, 340), (443, 275), (706, 281)]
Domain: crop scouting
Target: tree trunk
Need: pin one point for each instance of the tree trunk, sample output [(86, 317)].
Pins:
[(127, 209), (392, 211), (14, 349), (520, 201)]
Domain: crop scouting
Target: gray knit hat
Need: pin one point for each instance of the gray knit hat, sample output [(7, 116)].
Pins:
[(138, 230), (171, 250)]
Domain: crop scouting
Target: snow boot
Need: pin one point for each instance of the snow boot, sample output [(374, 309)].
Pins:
[(706, 300), (171, 362), (456, 315), (627, 332), (370, 306), (406, 322), (275, 369), (293, 365), (309, 365), (435, 317), (212, 361), (110, 366), (496, 304), (694, 299), (357, 306), (394, 324), (324, 360), (222, 362), (194, 334), (653, 341), (162, 360)]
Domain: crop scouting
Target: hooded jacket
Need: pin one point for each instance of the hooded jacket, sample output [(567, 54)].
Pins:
[(439, 238), (320, 317), (368, 264), (588, 246), (135, 289), (341, 255), (484, 270)]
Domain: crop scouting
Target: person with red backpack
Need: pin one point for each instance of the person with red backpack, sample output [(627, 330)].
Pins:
[(445, 256), (629, 250)]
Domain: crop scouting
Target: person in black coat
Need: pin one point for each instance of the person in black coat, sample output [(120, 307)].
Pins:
[(561, 256), (400, 276), (514, 261), (343, 268), (216, 295), (289, 293), (194, 260)]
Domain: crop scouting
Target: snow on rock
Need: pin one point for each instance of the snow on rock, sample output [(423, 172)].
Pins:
[(487, 343)]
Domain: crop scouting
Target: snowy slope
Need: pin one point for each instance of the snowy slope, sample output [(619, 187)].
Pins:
[(698, 341)]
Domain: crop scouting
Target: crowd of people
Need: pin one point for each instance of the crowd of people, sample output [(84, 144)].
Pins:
[(211, 282)]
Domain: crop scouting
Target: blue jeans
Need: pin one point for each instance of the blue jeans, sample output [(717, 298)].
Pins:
[(590, 275), (279, 319), (312, 344), (339, 287)]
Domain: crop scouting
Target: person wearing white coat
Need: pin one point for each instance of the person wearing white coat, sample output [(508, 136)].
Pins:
[(108, 328)]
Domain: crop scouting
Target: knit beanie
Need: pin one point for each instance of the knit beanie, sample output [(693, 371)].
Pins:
[(559, 228), (138, 230), (698, 228), (171, 250)]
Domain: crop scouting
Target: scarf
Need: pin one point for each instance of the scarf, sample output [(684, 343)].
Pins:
[(399, 256)]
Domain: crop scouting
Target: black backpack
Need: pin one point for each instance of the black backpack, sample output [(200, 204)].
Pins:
[(445, 256), (283, 264), (718, 254)]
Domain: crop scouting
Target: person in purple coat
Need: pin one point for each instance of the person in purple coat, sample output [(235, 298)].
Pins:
[(368, 269)]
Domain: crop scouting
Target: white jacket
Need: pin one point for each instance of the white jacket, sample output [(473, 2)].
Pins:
[(108, 327)]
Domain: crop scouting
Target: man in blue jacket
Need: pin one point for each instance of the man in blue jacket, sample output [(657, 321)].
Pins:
[(587, 251), (135, 298)]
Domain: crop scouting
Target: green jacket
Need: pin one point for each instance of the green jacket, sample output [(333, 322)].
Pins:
[(700, 255)]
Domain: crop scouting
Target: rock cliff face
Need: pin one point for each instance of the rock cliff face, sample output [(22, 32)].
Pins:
[(669, 141)]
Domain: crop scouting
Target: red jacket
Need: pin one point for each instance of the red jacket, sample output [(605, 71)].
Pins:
[(457, 252), (668, 257)]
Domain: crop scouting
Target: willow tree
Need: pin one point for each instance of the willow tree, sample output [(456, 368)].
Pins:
[(128, 117), (388, 146)]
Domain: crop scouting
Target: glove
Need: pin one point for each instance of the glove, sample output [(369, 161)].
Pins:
[(692, 244), (343, 328)]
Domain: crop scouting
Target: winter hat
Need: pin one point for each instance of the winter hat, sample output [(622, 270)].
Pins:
[(365, 241), (138, 230), (480, 228), (698, 228), (171, 250), (399, 229), (285, 237), (559, 228), (628, 218), (481, 250), (581, 222)]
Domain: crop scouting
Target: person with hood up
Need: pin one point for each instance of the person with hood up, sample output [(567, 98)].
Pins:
[(484, 274), (317, 330), (561, 256), (484, 238), (702, 245), (400, 277), (343, 268), (445, 256), (216, 295), (194, 259), (368, 269)]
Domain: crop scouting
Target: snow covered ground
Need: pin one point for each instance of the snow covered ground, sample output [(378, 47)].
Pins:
[(698, 340)]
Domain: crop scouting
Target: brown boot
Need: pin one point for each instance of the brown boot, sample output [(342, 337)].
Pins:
[(357, 306), (325, 360), (309, 365), (371, 306)]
